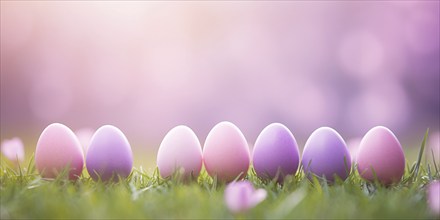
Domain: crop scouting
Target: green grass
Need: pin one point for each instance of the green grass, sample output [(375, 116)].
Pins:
[(24, 194)]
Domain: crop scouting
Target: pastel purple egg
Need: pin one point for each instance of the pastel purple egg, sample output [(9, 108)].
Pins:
[(180, 150), (226, 152), (275, 153), (380, 155), (326, 155), (58, 149), (109, 155)]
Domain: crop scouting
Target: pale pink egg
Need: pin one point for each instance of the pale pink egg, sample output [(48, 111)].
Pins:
[(226, 152), (434, 147), (58, 149), (380, 156), (180, 150)]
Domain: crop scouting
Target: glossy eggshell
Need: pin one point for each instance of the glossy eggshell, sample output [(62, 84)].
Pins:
[(109, 154), (325, 155), (57, 149), (180, 149), (381, 154), (226, 152), (275, 152)]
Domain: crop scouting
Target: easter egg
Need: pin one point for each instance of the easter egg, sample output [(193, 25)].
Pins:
[(380, 155), (433, 148), (275, 153), (59, 149), (226, 152), (180, 150), (109, 155), (325, 154)]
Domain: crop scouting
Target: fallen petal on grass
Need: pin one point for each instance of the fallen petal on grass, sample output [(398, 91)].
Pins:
[(434, 197), (242, 196), (13, 149)]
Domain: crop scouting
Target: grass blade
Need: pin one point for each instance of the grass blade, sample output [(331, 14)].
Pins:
[(415, 175)]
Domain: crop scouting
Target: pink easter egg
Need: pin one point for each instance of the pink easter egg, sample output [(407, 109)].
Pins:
[(57, 149), (380, 155), (226, 152), (433, 148), (180, 150)]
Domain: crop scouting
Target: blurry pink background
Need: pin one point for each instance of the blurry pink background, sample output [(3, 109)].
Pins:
[(146, 67)]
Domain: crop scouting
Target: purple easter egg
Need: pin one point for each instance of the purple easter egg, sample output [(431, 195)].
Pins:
[(226, 152), (180, 150), (109, 154), (325, 155), (275, 153), (58, 149), (380, 155)]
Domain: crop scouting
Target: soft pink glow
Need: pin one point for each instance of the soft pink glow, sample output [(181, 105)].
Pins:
[(383, 103), (149, 66), (361, 53), (420, 34)]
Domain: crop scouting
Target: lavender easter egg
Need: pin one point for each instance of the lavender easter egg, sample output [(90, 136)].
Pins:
[(180, 150), (58, 149), (226, 152), (109, 155), (326, 155), (275, 153), (380, 155)]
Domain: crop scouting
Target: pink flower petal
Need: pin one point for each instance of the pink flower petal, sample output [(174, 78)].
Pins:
[(434, 197), (241, 196), (13, 149), (258, 196)]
